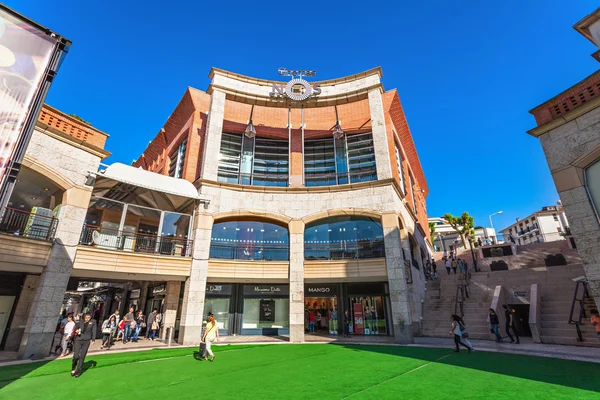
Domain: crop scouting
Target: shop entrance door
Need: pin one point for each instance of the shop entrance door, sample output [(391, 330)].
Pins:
[(324, 311), (6, 305)]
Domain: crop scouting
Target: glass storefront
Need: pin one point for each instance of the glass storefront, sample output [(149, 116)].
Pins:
[(266, 310), (368, 316), (249, 240), (348, 237), (321, 308), (218, 302)]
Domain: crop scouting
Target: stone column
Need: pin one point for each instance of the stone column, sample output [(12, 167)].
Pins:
[(380, 139), (296, 229), (399, 296), (17, 325), (192, 308), (52, 284), (171, 304), (212, 137)]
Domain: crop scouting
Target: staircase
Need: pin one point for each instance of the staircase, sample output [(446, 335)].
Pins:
[(556, 288)]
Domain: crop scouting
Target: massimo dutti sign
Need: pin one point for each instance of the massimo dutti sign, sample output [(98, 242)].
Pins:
[(212, 289), (266, 290)]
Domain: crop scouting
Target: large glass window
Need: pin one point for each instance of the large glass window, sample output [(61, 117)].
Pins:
[(368, 315), (330, 161), (253, 161), (249, 240), (255, 319), (219, 307), (592, 180), (350, 237), (400, 169), (412, 192), (177, 160)]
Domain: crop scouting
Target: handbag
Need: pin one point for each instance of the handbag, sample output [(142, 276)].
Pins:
[(143, 325), (107, 331)]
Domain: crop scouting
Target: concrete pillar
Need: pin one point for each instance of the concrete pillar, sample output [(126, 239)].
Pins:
[(212, 138), (535, 313), (296, 230), (399, 296), (19, 321), (380, 140), (171, 304), (192, 309), (52, 284)]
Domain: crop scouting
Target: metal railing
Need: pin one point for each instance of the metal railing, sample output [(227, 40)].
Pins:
[(581, 312), (249, 252), (111, 239), (27, 224), (344, 251)]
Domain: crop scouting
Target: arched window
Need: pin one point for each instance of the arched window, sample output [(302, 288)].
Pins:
[(592, 181), (249, 240), (347, 237)]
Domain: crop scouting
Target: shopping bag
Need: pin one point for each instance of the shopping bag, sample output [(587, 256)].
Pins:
[(203, 349)]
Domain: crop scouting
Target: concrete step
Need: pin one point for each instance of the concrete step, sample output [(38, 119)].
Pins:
[(571, 341), (560, 324)]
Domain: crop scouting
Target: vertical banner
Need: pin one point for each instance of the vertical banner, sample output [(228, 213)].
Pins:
[(29, 57), (359, 323)]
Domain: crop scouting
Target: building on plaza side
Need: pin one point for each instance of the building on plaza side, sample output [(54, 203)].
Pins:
[(261, 228), (299, 221), (568, 127), (549, 224)]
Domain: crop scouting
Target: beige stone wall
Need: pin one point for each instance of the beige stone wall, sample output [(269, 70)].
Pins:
[(569, 149)]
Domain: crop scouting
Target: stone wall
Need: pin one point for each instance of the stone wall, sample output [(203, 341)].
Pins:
[(569, 149)]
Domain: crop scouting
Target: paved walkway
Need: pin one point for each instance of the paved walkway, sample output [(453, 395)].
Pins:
[(577, 353)]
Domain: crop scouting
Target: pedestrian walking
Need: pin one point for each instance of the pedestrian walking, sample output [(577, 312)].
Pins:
[(67, 334), (121, 330), (434, 267), (452, 254), (595, 320), (465, 335), (346, 324), (108, 328), (461, 266), (140, 322), (149, 322), (494, 324), (129, 318), (155, 326), (510, 324), (211, 334), (448, 266), (457, 331), (454, 266), (445, 255), (86, 335)]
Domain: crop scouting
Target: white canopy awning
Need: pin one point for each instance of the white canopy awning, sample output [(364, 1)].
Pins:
[(129, 184)]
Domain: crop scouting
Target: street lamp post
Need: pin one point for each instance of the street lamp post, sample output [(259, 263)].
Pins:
[(491, 224)]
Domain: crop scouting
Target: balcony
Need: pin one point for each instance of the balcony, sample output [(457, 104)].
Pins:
[(529, 229), (344, 251), (249, 252), (28, 224), (110, 239)]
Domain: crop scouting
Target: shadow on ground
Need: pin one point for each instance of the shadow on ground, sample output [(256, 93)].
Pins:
[(576, 374)]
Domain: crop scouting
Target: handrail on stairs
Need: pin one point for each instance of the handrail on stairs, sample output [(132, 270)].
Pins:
[(581, 313), (461, 295)]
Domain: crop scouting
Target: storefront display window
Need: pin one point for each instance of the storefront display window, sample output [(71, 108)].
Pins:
[(368, 315), (219, 307), (348, 237), (266, 310), (249, 240)]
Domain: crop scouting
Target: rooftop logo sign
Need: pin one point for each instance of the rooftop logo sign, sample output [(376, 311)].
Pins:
[(297, 89)]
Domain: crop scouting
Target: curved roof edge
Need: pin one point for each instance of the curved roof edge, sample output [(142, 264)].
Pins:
[(244, 78)]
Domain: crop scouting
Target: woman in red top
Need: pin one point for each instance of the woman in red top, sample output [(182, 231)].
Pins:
[(311, 321)]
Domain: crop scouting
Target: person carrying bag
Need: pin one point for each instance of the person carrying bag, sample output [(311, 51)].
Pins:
[(211, 334)]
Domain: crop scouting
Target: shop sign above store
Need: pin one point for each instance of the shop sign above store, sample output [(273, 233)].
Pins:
[(297, 89), (266, 289), (218, 289), (320, 290)]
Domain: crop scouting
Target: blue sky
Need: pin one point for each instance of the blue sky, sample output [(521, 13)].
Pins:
[(467, 73)]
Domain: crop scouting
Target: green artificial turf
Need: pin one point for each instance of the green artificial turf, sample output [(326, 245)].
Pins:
[(306, 372)]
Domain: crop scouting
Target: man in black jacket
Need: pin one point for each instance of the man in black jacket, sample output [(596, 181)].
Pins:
[(86, 334)]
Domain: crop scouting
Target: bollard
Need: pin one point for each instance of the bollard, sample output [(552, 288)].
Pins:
[(170, 336)]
